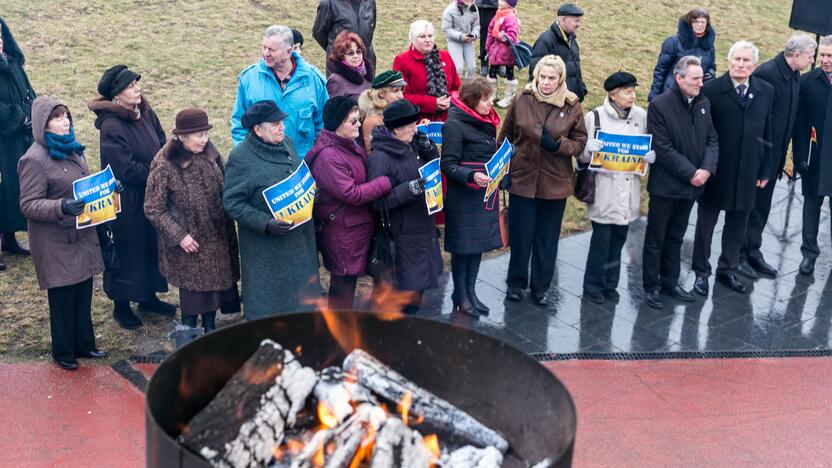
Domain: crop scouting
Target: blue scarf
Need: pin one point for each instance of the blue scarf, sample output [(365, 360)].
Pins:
[(61, 146)]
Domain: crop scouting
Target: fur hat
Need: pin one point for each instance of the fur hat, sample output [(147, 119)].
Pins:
[(336, 111), (191, 120), (400, 113)]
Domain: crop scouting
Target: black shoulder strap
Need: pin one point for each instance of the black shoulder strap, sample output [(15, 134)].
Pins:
[(597, 121)]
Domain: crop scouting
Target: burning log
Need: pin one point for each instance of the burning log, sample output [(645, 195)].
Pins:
[(246, 420), (381, 379), (339, 394), (472, 457), (398, 445)]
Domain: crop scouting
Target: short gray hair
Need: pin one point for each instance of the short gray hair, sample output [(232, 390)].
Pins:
[(283, 32), (739, 45), (799, 43), (418, 27), (684, 63), (826, 40)]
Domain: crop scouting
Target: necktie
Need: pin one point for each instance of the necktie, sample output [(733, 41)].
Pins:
[(829, 75), (741, 92)]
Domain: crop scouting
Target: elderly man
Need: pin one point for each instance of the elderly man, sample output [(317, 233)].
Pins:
[(687, 153), (334, 16), (284, 77), (560, 39), (741, 111), (812, 149), (783, 73)]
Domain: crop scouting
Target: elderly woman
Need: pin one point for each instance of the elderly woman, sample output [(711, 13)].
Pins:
[(342, 212), (617, 196), (545, 123), (461, 26), (279, 264), (386, 88), (399, 150), (349, 73), (695, 37), (430, 73), (198, 249), (131, 135), (65, 258), (471, 226)]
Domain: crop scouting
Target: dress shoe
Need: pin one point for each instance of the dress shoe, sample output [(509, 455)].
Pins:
[(513, 294), (94, 354), (481, 308), (807, 266), (12, 246), (125, 317), (745, 269), (595, 297), (463, 304), (539, 298), (701, 286), (612, 295), (731, 281), (654, 300), (677, 292), (762, 267), (67, 365), (155, 306)]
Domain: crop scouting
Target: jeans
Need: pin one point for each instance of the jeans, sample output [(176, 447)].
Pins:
[(464, 58)]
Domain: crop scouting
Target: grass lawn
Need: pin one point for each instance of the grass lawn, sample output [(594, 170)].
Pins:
[(190, 51)]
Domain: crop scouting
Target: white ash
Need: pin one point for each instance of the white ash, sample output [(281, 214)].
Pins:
[(339, 393), (472, 457)]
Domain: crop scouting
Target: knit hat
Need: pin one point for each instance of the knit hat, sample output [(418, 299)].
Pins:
[(336, 111), (400, 113), (620, 79), (191, 120), (115, 80), (262, 111), (512, 3), (389, 78)]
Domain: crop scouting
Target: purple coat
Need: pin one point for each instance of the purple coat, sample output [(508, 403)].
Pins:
[(346, 81), (499, 52), (338, 167)]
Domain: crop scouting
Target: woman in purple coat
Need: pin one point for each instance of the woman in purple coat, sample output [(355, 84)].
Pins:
[(349, 74), (343, 214)]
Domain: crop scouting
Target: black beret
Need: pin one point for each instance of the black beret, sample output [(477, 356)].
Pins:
[(400, 113), (619, 79), (570, 9), (336, 111), (115, 80), (262, 111)]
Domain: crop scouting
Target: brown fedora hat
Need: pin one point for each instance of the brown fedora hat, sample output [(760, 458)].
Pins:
[(191, 120)]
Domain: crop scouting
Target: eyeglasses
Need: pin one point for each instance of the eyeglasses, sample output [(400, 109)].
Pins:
[(352, 52), (355, 121)]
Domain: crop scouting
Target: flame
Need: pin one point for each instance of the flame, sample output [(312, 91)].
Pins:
[(327, 416), (404, 407), (318, 459), (389, 301), (292, 447), (365, 450), (432, 444)]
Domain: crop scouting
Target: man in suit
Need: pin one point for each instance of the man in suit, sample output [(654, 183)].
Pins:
[(812, 149), (741, 110), (783, 73)]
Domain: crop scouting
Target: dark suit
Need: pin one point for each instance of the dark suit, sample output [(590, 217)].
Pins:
[(745, 151)]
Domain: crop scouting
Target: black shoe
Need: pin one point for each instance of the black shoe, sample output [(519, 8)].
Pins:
[(539, 298), (701, 286), (208, 321), (595, 297), (125, 317), (654, 300), (13, 247), (763, 268), (745, 269), (513, 294), (731, 281), (94, 354), (156, 306), (612, 295), (807, 266), (463, 304), (67, 365), (676, 292), (481, 308)]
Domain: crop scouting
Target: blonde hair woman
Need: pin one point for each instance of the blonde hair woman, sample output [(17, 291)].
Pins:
[(386, 88)]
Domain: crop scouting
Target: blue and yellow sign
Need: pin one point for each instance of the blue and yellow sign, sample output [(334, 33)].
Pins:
[(101, 202), (497, 167), (433, 187), (291, 200), (622, 153)]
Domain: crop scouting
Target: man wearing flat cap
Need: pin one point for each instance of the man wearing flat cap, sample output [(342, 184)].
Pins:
[(560, 39)]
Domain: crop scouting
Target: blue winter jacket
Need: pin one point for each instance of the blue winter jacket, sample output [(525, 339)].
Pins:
[(675, 47), (302, 101)]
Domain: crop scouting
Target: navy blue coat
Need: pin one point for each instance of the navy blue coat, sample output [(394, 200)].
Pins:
[(813, 112), (675, 47), (786, 83)]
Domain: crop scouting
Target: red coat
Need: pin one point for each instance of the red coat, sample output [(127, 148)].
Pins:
[(411, 64)]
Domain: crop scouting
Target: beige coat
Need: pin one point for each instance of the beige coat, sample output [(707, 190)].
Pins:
[(63, 255)]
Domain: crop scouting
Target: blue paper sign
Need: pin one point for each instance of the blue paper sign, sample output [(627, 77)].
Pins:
[(101, 202), (292, 199), (622, 153), (433, 130), (497, 167), (433, 186)]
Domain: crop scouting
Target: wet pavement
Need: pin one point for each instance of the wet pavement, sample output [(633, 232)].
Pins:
[(789, 312)]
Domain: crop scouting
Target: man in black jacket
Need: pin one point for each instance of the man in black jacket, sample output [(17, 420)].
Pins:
[(687, 153), (560, 40), (741, 112), (812, 149), (334, 16), (782, 72)]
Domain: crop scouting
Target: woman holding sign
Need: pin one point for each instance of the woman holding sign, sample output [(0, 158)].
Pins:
[(65, 258)]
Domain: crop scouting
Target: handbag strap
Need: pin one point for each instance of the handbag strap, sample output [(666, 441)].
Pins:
[(597, 121)]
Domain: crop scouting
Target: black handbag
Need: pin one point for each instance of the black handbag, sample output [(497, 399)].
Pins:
[(381, 264), (585, 184), (108, 247)]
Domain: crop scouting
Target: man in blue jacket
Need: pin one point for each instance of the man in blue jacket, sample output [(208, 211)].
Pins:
[(285, 78)]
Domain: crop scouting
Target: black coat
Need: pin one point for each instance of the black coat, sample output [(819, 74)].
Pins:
[(745, 148), (684, 140), (786, 83), (552, 42), (128, 146), (418, 259), (471, 225), (16, 96), (813, 112), (334, 16), (683, 43)]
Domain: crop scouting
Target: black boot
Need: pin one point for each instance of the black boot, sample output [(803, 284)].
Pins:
[(471, 285), (189, 320), (155, 306), (459, 272), (125, 317), (208, 321)]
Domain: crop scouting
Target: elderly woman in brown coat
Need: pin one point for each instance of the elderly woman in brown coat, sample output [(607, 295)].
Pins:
[(65, 258), (197, 241), (546, 125)]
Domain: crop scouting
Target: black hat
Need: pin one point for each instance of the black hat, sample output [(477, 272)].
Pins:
[(570, 9), (620, 79), (336, 111), (262, 111), (297, 37), (400, 113), (115, 80), (191, 120)]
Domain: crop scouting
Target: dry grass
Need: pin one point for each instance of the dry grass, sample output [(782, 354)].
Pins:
[(189, 53)]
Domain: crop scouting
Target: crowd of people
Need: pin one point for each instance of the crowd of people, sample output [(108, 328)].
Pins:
[(195, 220)]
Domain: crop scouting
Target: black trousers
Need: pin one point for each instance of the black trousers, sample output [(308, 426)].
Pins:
[(493, 69), (811, 223), (342, 291), (733, 234), (667, 221), (534, 231), (757, 220), (603, 264), (486, 15), (70, 320)]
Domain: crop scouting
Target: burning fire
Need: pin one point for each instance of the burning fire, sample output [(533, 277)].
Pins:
[(432, 443), (327, 416), (404, 407)]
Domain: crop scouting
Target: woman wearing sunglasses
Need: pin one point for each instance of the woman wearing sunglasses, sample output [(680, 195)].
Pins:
[(348, 73)]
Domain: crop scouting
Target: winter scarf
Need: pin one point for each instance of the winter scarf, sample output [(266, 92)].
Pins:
[(437, 81), (560, 95), (61, 146), (499, 18), (362, 69)]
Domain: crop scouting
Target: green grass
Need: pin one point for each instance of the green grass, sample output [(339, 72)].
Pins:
[(189, 54)]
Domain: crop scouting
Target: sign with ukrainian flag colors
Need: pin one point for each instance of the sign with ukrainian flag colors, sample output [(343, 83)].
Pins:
[(433, 186), (622, 153), (433, 130), (291, 200), (101, 202), (497, 167)]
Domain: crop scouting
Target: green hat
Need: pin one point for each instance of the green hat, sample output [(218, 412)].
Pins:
[(389, 78)]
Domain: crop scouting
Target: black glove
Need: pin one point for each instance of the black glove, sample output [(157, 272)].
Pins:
[(505, 184), (119, 186), (417, 186), (548, 143), (72, 207), (276, 227), (802, 168), (422, 140)]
